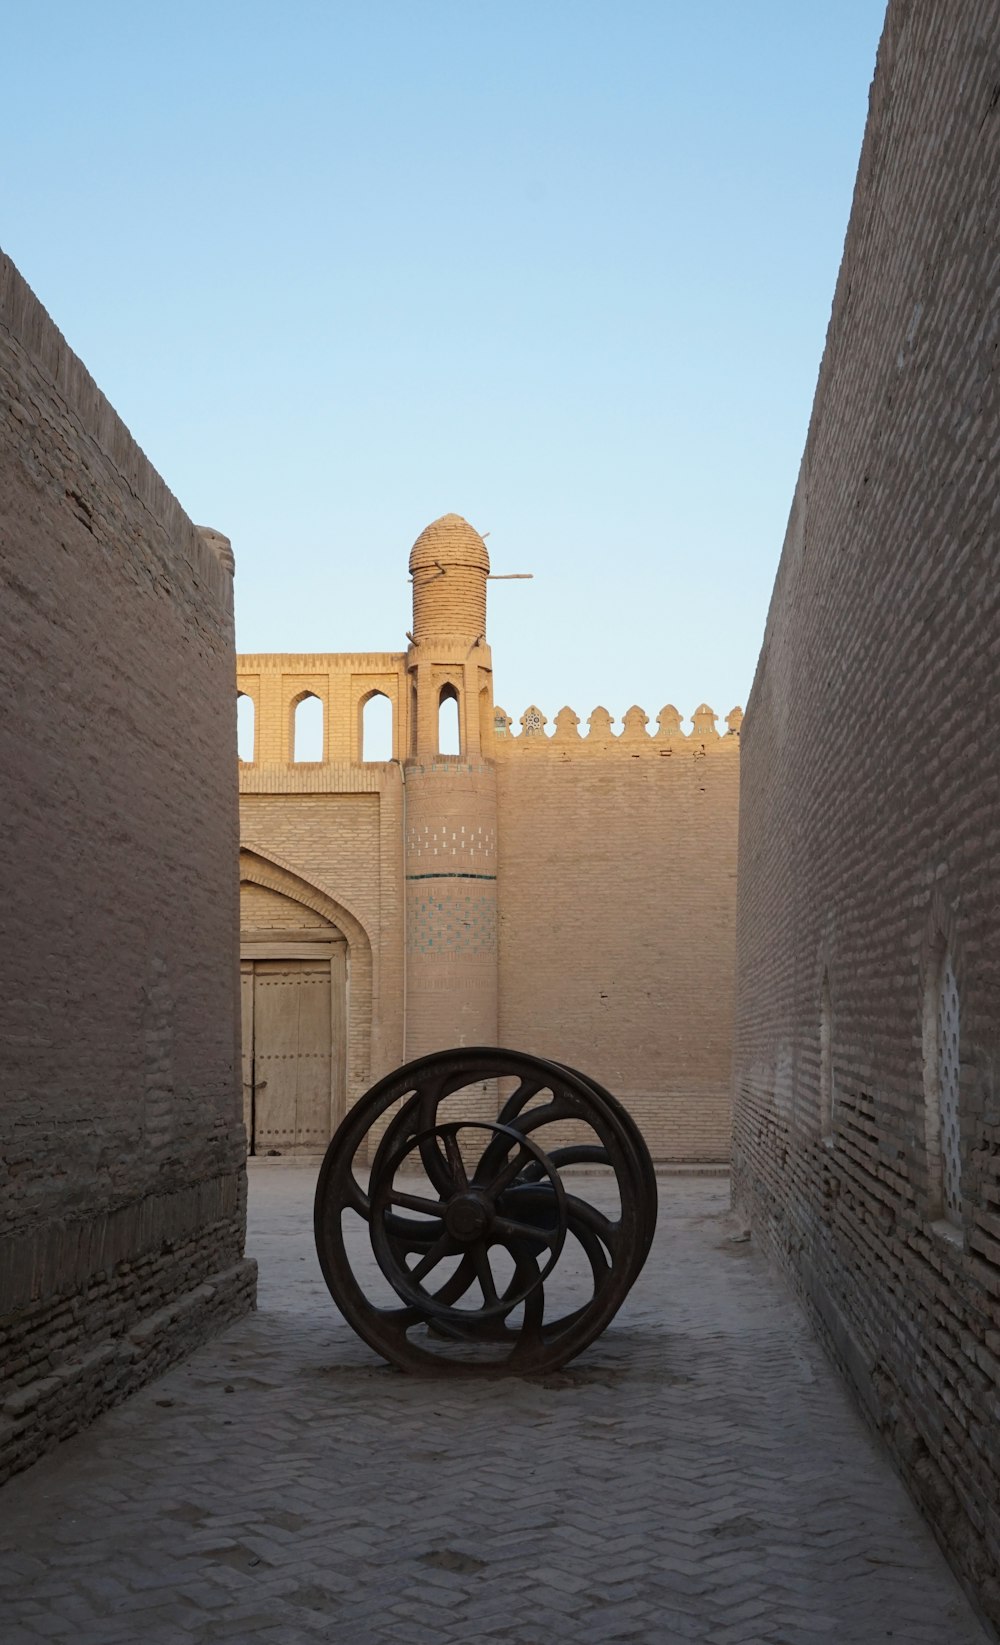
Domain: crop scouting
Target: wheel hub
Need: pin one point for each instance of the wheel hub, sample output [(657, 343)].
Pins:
[(468, 1217)]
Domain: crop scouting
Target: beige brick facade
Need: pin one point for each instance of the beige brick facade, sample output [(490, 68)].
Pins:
[(571, 895), (867, 1062), (122, 1178)]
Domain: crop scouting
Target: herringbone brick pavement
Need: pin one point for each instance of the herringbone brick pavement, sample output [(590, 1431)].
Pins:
[(698, 1475)]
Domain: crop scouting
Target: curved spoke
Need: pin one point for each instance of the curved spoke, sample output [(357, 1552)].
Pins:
[(515, 1103), (600, 1267), (589, 1216), (558, 1109), (583, 1153)]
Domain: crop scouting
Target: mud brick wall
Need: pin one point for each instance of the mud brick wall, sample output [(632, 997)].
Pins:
[(612, 849), (617, 903), (122, 1183), (870, 810)]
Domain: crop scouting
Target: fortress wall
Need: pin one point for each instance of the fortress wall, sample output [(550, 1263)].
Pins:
[(616, 894), (121, 1147), (870, 822)]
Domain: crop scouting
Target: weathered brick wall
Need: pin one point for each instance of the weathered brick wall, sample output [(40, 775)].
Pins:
[(121, 1170), (617, 899), (871, 775)]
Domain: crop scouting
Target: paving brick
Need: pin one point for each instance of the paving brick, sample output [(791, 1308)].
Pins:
[(414, 1509)]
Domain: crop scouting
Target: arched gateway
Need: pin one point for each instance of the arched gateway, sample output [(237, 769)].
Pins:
[(294, 971)]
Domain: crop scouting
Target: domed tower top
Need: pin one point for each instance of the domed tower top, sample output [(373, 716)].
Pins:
[(449, 564)]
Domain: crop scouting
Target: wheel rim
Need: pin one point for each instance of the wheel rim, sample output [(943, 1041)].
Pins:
[(485, 1340)]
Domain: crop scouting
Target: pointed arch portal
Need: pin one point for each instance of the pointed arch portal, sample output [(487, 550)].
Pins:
[(294, 987)]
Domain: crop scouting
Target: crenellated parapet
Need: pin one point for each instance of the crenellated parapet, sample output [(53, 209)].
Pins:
[(633, 736)]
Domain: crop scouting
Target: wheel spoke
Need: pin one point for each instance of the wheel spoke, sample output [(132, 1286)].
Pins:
[(415, 1202), (455, 1160), (410, 1234), (441, 1248), (508, 1172), (484, 1274), (456, 1285), (530, 1344), (525, 1230)]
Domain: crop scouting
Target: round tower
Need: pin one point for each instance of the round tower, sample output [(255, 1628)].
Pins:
[(449, 565), (451, 804)]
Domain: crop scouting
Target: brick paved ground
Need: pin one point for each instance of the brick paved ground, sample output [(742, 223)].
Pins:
[(698, 1475)]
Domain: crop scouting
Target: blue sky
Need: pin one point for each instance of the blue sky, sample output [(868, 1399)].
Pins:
[(563, 267)]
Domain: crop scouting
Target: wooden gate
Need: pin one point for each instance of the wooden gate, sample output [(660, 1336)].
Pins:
[(291, 1018)]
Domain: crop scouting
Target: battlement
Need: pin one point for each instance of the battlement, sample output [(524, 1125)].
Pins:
[(600, 736)]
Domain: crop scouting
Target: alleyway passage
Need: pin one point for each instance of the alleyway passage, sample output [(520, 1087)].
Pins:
[(698, 1475)]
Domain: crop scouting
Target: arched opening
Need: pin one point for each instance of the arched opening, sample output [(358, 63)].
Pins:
[(303, 1027), (449, 734), (376, 727), (245, 727), (293, 985), (307, 729)]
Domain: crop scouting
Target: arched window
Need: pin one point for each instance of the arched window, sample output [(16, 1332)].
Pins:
[(245, 716), (449, 736), (826, 1098), (307, 729), (942, 1066), (376, 727)]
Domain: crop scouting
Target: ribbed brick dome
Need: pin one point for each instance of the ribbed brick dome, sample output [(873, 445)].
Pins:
[(449, 541)]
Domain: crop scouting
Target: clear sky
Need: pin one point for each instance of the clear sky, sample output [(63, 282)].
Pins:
[(561, 266)]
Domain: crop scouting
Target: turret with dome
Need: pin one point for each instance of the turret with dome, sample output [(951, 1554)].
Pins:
[(451, 803), (449, 564)]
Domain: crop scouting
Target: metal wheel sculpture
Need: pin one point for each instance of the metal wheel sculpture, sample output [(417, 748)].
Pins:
[(468, 1217)]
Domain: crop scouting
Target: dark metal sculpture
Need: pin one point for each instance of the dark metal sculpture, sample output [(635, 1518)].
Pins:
[(469, 1216)]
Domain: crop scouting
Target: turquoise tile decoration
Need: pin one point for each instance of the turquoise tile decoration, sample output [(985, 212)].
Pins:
[(458, 922)]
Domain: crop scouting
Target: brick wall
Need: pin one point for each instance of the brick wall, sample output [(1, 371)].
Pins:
[(613, 939), (121, 1171), (869, 862), (617, 896)]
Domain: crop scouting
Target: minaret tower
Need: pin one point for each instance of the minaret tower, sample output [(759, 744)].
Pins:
[(451, 803)]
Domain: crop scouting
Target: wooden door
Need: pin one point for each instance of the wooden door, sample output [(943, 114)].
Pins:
[(246, 1012), (292, 1056)]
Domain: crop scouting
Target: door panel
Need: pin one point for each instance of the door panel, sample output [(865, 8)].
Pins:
[(292, 1055), (246, 1013)]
